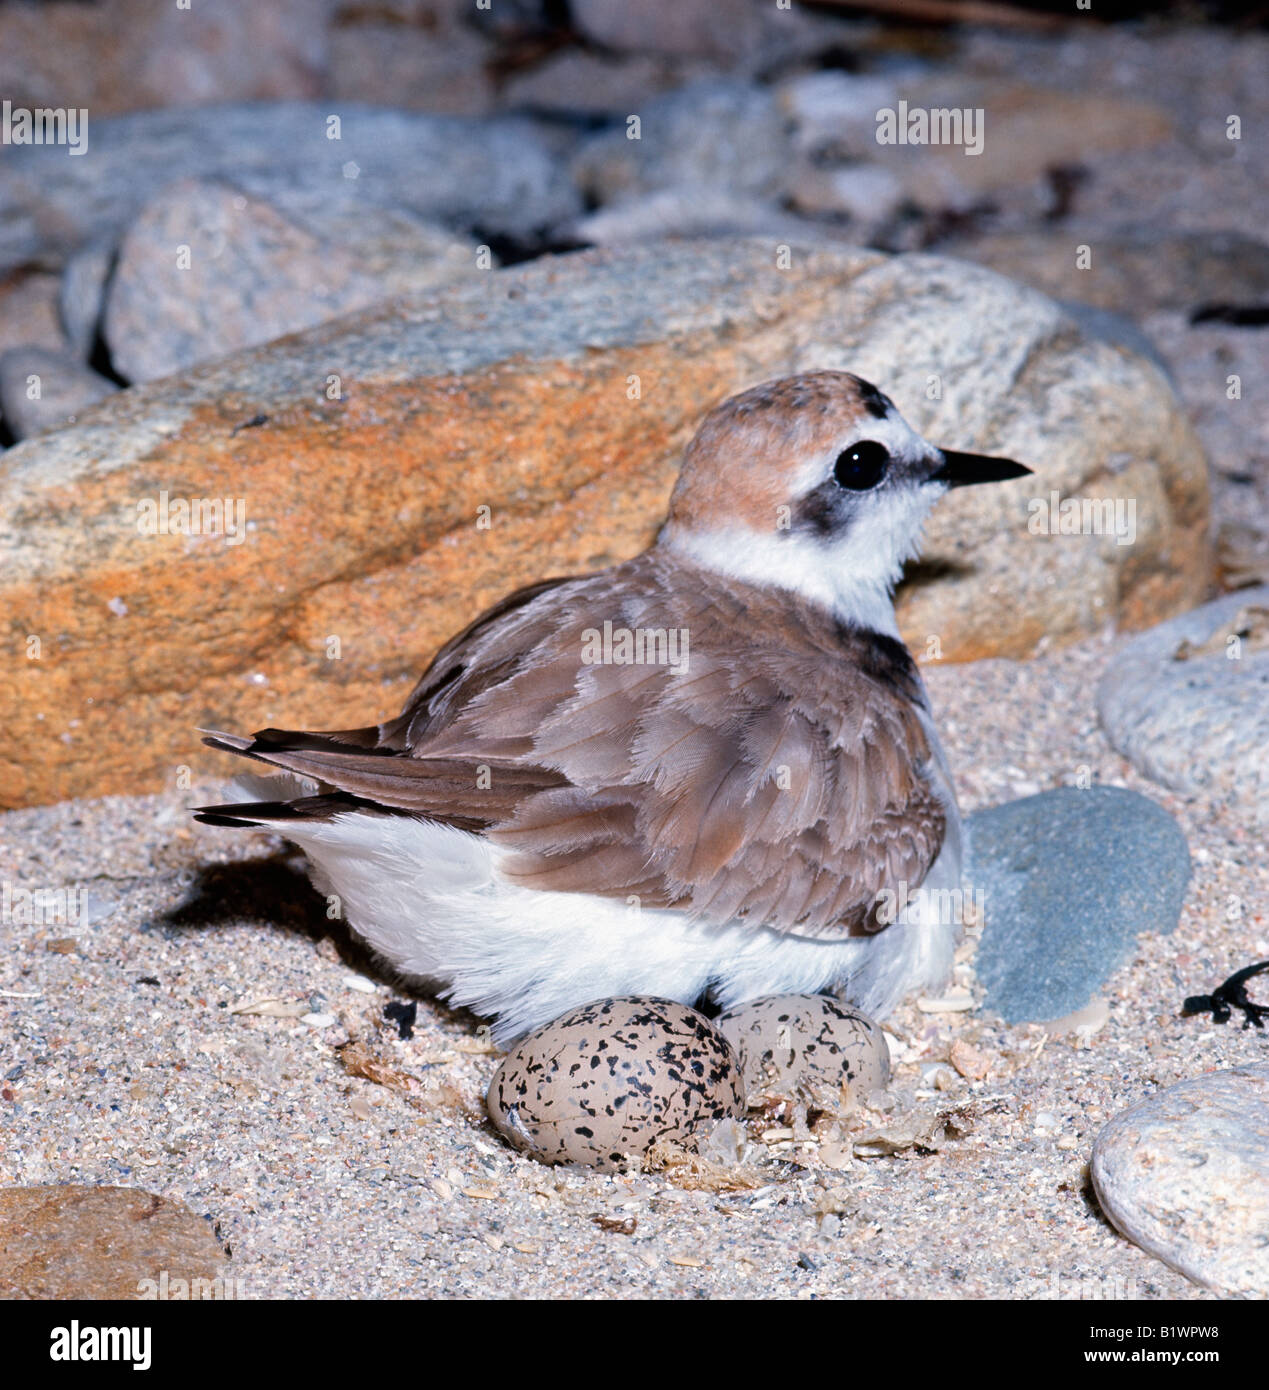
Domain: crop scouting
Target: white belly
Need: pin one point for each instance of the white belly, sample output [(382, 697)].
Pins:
[(430, 899)]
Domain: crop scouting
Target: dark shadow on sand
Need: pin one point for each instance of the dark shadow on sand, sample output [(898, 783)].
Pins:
[(276, 890)]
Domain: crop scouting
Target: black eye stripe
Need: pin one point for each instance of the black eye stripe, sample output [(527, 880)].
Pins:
[(861, 466)]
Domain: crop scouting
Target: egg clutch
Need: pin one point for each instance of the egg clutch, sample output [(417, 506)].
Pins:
[(604, 1083)]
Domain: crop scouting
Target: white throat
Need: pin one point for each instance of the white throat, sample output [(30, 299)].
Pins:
[(850, 581)]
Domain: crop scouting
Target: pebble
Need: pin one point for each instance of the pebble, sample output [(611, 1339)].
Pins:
[(1069, 877), (74, 1241), (82, 294), (1185, 1174), (29, 312), (1188, 702), (65, 386), (724, 29), (707, 135)]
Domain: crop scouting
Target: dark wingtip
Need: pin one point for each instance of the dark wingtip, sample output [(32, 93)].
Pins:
[(238, 814)]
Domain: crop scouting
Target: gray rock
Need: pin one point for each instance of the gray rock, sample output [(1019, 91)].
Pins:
[(130, 55), (28, 313), (494, 174), (1135, 271), (1027, 129), (742, 36), (834, 113), (684, 28), (1069, 878), (581, 83), (63, 387), (690, 212), (255, 274), (867, 193), (1188, 702), (83, 293), (1185, 1174), (443, 68), (1118, 330), (713, 134)]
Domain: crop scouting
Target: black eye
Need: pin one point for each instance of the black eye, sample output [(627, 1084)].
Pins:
[(861, 466)]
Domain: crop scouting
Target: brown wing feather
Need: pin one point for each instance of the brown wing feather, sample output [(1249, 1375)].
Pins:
[(778, 780)]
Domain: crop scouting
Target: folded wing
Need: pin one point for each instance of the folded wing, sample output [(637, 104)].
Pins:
[(738, 754)]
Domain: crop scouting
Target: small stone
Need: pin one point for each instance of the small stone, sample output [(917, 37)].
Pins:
[(1025, 131), (838, 1157), (1185, 1174), (688, 212), (685, 28), (972, 1064), (722, 135), (64, 385), (726, 1142), (122, 55), (1188, 702), (425, 69), (82, 295), (1069, 878), (834, 111), (866, 192), (72, 1241), (582, 83), (1083, 1023), (28, 312), (958, 1002)]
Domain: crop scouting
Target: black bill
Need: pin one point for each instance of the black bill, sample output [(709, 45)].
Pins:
[(963, 470)]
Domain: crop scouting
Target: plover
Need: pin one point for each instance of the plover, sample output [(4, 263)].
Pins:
[(696, 773)]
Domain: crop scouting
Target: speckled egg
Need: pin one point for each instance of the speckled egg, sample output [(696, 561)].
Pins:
[(609, 1079), (806, 1047)]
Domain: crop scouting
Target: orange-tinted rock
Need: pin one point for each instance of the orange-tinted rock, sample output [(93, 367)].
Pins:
[(100, 1243), (512, 391)]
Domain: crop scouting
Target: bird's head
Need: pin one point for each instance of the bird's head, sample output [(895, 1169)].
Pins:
[(814, 483)]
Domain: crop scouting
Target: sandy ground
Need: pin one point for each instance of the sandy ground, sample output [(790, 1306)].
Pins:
[(130, 1060), (327, 1184)]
